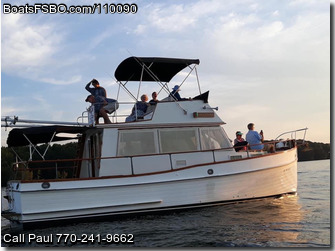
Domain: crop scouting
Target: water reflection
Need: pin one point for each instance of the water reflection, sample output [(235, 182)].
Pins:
[(267, 222), (271, 222)]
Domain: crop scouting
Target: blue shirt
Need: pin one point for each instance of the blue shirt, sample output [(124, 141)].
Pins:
[(141, 106), (253, 138), (176, 95), (99, 91), (99, 103)]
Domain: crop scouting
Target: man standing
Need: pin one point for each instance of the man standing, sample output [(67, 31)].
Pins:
[(102, 107), (254, 138), (97, 90)]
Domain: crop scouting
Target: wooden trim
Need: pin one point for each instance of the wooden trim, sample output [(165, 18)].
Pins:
[(203, 115), (169, 125)]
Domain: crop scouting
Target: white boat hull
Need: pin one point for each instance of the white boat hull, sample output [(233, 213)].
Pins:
[(201, 185)]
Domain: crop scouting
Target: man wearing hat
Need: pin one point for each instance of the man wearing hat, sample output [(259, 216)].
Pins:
[(175, 95)]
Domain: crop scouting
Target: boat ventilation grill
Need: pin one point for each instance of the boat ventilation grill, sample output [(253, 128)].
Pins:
[(234, 157), (180, 163)]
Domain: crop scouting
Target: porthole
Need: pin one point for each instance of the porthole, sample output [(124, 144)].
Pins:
[(45, 185), (210, 171)]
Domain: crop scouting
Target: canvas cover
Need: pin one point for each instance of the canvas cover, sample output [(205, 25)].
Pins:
[(40, 134), (156, 69)]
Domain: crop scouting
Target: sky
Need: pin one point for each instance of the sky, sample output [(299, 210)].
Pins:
[(263, 61)]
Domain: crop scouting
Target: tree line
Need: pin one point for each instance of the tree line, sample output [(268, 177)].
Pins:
[(313, 151), (306, 152)]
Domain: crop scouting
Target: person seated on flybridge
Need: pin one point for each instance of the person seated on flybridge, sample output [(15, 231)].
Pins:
[(175, 93), (139, 109), (154, 100), (102, 106)]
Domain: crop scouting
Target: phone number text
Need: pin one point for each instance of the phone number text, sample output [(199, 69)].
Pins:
[(92, 238)]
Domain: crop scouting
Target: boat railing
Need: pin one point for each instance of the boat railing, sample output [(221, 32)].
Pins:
[(270, 146), (293, 134), (124, 110), (280, 144), (63, 169), (45, 169)]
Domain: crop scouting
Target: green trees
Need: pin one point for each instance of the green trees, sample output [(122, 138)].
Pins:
[(56, 151), (314, 151)]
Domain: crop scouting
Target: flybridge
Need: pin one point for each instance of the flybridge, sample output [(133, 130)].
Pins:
[(149, 69)]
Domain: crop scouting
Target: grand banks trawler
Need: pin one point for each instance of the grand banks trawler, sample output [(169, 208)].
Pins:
[(176, 156)]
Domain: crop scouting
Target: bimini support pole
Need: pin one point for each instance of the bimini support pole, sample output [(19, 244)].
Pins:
[(123, 86), (31, 145), (165, 86), (17, 156), (147, 69), (196, 73), (49, 144), (188, 75), (139, 85)]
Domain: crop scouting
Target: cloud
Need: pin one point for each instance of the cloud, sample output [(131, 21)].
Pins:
[(72, 80), (35, 49), (276, 13), (250, 49), (8, 107), (167, 18), (26, 45)]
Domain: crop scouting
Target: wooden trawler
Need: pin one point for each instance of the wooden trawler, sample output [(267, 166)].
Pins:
[(176, 156)]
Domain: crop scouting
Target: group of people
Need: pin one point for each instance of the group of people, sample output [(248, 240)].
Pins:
[(141, 107), (104, 105), (253, 139)]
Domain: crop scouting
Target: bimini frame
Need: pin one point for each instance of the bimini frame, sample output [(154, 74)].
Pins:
[(25, 136), (159, 70)]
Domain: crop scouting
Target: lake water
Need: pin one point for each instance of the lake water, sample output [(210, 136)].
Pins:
[(301, 220)]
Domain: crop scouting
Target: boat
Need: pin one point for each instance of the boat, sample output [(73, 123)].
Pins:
[(176, 156)]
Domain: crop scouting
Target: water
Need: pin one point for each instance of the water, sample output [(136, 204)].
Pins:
[(301, 220)]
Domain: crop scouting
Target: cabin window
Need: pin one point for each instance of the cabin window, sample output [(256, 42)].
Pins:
[(213, 138), (137, 142), (178, 140)]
